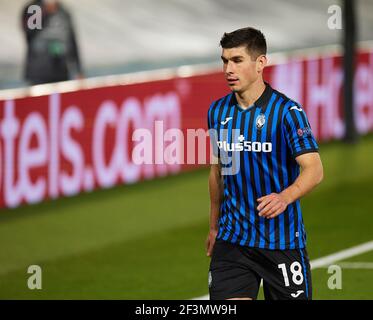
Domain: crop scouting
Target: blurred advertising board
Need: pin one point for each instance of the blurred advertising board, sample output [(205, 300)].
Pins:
[(66, 142)]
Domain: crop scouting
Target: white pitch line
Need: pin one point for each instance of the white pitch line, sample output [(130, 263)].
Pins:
[(354, 265), (344, 254), (327, 260)]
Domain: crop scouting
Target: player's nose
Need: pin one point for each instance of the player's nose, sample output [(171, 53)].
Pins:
[(229, 68)]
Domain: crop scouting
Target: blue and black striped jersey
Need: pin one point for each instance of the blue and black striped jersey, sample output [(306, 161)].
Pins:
[(261, 143)]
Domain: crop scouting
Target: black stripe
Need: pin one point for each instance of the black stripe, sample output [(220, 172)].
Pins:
[(233, 100), (264, 99)]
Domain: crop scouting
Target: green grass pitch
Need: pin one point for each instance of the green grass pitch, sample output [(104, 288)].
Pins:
[(146, 241)]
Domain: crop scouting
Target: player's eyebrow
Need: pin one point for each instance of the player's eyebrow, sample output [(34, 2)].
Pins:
[(232, 58)]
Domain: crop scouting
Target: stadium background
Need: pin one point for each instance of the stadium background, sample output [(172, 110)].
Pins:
[(103, 228)]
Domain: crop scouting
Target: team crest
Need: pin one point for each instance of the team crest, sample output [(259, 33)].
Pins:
[(260, 121)]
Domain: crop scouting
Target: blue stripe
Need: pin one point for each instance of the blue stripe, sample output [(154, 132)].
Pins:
[(267, 182), (300, 223), (223, 218), (272, 235), (223, 116), (256, 174), (286, 181), (249, 189), (229, 178), (304, 271), (291, 227), (304, 234), (294, 172), (237, 177)]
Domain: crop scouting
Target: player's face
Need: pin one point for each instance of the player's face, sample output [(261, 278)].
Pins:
[(240, 70)]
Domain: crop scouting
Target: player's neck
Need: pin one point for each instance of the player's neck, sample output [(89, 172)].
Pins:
[(250, 95)]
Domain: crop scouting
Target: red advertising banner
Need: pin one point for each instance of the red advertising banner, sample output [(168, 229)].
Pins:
[(317, 83), (63, 144)]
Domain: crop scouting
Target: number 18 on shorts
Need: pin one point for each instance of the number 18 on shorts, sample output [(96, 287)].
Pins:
[(236, 272)]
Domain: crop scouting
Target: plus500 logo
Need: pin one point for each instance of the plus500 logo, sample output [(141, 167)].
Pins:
[(246, 146)]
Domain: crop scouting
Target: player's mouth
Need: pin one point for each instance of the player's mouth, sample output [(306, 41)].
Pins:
[(232, 81)]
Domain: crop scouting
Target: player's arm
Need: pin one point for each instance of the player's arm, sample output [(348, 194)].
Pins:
[(311, 175), (216, 195)]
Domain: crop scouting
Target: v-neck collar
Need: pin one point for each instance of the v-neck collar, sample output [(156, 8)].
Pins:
[(261, 102)]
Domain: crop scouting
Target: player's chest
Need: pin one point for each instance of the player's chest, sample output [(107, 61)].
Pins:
[(254, 131), (251, 125)]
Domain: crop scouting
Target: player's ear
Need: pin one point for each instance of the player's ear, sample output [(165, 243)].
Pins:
[(261, 62)]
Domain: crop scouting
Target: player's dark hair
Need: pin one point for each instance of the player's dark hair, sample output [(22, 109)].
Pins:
[(251, 38)]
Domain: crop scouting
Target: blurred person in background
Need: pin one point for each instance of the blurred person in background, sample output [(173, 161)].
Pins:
[(52, 51)]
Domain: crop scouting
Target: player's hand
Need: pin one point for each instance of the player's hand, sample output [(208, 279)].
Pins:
[(210, 241), (272, 205)]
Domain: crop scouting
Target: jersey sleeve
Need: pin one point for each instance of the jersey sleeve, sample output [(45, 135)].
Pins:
[(298, 133)]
